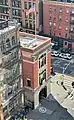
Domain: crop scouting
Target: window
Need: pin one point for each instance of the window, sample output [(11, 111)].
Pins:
[(66, 19), (66, 35), (33, 16), (2, 46), (4, 10), (60, 10), (59, 27), (65, 43), (66, 28), (67, 11), (50, 23), (54, 33), (26, 16), (11, 106), (30, 16), (50, 9), (55, 9), (4, 2), (50, 18), (34, 25), (60, 17), (30, 25), (29, 83), (4, 94), (26, 24), (54, 24), (9, 91), (71, 28), (42, 76), (15, 102), (14, 55), (25, 5), (73, 11), (54, 18), (29, 4), (13, 40), (42, 60), (72, 18), (5, 109), (13, 12), (60, 34), (50, 32), (16, 3), (8, 43), (16, 12), (15, 86)]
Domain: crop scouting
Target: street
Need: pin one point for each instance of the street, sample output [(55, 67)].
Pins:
[(59, 64), (49, 109)]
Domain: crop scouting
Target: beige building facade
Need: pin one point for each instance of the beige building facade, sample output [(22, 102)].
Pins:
[(16, 9)]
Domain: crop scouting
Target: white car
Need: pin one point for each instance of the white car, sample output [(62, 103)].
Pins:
[(55, 53), (63, 55), (69, 56)]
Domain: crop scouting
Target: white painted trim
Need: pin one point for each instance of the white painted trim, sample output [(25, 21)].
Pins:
[(29, 61), (46, 64)]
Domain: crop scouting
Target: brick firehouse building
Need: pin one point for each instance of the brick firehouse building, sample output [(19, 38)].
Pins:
[(36, 67)]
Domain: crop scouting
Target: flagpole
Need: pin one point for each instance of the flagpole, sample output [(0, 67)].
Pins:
[(35, 23)]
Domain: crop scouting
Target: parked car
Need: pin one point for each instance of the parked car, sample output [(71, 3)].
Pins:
[(55, 53), (62, 55), (65, 56), (69, 56)]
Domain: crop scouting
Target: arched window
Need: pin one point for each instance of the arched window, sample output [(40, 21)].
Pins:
[(8, 43), (13, 40)]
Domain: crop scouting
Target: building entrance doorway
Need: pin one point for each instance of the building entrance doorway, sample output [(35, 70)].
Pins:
[(43, 93)]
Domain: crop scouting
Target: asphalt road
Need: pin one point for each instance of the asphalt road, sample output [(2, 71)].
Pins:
[(59, 64), (49, 109)]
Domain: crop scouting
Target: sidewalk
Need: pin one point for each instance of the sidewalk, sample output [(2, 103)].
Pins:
[(67, 80), (60, 94), (68, 103)]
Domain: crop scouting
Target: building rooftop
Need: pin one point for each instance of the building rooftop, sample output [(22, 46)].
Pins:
[(7, 25), (3, 24), (31, 43), (60, 3)]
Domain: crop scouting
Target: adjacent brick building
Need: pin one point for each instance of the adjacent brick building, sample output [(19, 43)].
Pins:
[(72, 1), (36, 67), (59, 22)]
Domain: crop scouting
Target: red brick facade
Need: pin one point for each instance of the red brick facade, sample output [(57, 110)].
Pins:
[(48, 63), (30, 66), (59, 20)]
